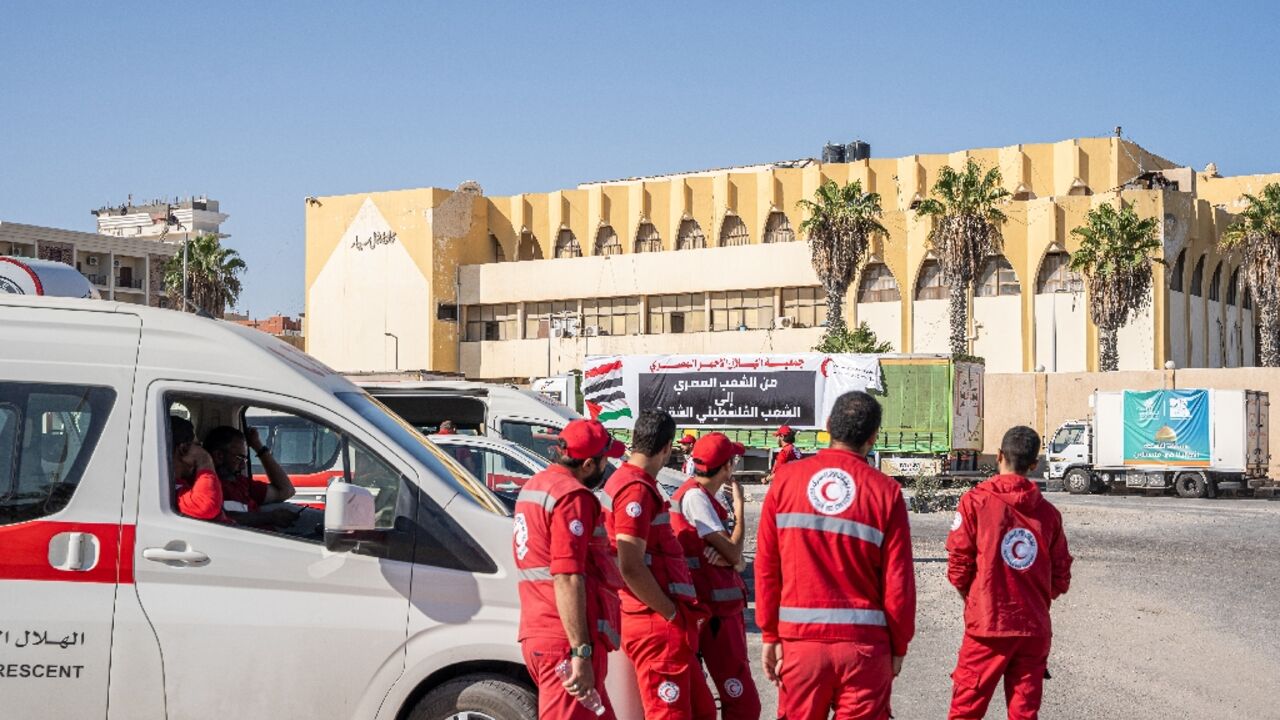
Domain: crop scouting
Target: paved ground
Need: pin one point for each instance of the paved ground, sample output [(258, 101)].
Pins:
[(1174, 612)]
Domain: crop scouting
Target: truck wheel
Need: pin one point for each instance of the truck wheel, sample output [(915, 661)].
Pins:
[(478, 697), (1191, 485), (1078, 482)]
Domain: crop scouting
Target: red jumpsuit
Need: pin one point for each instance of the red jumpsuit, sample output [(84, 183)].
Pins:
[(201, 497), (835, 585), (559, 531), (665, 654), (1007, 554), (723, 640)]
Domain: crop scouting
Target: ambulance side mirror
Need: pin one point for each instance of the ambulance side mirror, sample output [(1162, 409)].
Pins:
[(349, 517)]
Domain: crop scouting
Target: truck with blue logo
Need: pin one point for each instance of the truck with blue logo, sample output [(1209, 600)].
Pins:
[(1195, 442)]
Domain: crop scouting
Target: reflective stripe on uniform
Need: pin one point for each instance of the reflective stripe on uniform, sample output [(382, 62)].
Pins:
[(600, 532), (534, 574), (661, 519), (822, 523), (537, 497), (727, 594), (606, 501), (693, 563), (831, 616), (604, 628), (684, 589)]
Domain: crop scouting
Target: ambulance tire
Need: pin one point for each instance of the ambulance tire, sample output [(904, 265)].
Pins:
[(1078, 482), (1191, 485), (478, 696)]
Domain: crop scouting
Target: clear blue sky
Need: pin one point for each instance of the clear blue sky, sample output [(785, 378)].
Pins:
[(259, 105)]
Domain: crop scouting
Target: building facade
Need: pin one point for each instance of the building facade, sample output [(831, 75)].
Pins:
[(125, 259), (713, 261)]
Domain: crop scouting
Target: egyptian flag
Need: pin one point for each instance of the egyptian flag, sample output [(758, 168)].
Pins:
[(602, 391)]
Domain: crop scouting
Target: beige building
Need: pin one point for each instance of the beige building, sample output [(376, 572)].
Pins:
[(712, 261), (125, 259)]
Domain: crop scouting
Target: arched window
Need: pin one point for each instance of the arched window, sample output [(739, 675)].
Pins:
[(499, 255), (1197, 279), (1233, 288), (778, 229), (567, 244), (647, 238), (1056, 275), (878, 285), (529, 249), (1247, 303), (997, 278), (607, 242), (1176, 275), (690, 236), (930, 286), (733, 232), (1215, 284)]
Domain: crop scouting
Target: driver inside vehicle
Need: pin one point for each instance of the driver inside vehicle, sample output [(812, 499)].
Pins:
[(244, 497)]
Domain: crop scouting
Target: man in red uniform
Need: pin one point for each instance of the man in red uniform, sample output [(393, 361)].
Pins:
[(715, 560), (199, 492), (1007, 555), (835, 586), (568, 580), (661, 616), (686, 449), (242, 496), (786, 450)]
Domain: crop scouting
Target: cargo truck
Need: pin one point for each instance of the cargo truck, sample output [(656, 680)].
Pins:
[(1195, 442), (933, 404)]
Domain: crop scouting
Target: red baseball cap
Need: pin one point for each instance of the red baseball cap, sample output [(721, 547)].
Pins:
[(715, 449), (784, 430), (688, 439), (584, 439)]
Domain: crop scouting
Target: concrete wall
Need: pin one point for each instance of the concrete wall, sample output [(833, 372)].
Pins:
[(884, 319), (1045, 400), (999, 333), (930, 329), (1060, 327)]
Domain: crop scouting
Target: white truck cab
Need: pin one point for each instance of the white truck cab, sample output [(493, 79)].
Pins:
[(1070, 449), (118, 605)]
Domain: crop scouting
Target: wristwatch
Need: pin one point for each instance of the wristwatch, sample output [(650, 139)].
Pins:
[(264, 450), (582, 651)]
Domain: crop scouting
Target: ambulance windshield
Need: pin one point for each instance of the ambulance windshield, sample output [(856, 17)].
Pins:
[(423, 450)]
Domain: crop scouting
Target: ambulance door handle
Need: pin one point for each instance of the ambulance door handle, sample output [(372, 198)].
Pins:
[(176, 554)]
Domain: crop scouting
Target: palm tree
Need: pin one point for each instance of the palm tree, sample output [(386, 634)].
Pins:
[(966, 230), (840, 223), (213, 275), (1256, 237), (861, 340), (1117, 249)]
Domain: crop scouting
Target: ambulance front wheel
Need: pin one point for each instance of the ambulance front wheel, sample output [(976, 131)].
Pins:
[(1078, 482), (478, 697)]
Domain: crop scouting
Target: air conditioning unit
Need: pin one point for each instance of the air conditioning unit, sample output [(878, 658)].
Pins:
[(591, 331), (91, 261), (784, 322), (557, 332), (115, 263)]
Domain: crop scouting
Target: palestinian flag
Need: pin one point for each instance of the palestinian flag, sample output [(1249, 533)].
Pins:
[(602, 391)]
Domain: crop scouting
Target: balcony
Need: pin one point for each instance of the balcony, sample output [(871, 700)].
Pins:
[(128, 283), (99, 280)]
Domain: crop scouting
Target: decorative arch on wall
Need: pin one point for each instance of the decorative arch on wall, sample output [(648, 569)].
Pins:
[(529, 248), (777, 229), (1215, 284), (647, 238), (499, 255), (1177, 274), (878, 284), (567, 244), (734, 232), (690, 236), (930, 284), (1233, 288), (997, 279), (1055, 274), (1197, 279), (607, 242)]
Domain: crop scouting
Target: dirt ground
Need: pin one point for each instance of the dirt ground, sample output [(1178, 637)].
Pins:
[(1174, 612)]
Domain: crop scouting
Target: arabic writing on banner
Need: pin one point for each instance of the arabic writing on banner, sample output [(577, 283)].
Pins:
[(1166, 427), (742, 390), (731, 399)]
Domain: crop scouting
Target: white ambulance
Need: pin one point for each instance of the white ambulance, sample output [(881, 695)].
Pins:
[(116, 605)]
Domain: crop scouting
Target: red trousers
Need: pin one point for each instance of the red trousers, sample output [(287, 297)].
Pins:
[(1021, 661), (723, 644), (542, 655), (853, 679), (665, 655)]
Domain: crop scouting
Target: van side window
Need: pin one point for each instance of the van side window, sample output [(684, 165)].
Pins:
[(47, 435), (538, 437)]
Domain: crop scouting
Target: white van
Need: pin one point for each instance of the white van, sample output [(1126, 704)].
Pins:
[(118, 606)]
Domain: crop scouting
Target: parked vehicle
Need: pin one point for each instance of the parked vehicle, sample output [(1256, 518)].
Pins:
[(502, 466), (1196, 442), (118, 606), (28, 276)]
